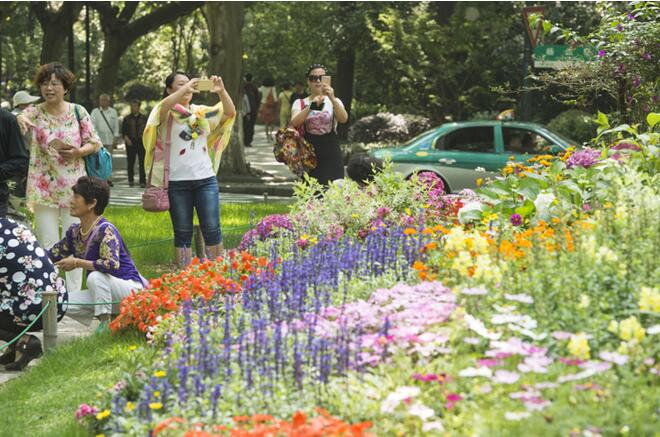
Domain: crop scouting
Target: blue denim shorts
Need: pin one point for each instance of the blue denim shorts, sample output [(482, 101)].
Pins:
[(203, 195)]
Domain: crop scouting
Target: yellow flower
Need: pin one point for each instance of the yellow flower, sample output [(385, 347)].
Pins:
[(132, 347), (100, 435), (160, 373), (630, 328), (608, 205), (157, 394), (155, 405), (479, 181), (354, 216), (408, 211), (102, 415), (578, 346), (130, 406), (194, 135), (649, 300)]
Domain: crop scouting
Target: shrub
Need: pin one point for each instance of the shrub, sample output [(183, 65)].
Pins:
[(387, 127), (574, 124)]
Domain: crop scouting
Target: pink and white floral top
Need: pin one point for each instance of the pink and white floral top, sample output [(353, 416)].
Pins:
[(50, 177)]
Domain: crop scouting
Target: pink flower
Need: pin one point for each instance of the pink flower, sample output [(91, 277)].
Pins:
[(488, 362), (516, 219), (85, 410), (571, 361), (452, 399)]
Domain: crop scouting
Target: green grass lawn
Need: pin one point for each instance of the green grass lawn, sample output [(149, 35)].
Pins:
[(42, 402)]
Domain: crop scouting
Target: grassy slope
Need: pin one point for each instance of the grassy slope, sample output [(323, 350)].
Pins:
[(42, 402)]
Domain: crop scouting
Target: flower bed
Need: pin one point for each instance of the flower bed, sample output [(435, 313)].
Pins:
[(513, 311)]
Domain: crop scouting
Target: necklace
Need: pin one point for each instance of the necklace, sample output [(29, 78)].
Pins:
[(85, 234)]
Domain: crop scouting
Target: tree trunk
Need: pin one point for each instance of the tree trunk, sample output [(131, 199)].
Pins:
[(52, 46), (344, 86), (120, 31), (225, 24)]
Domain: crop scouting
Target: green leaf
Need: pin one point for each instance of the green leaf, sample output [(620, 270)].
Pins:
[(652, 119), (526, 209), (602, 120)]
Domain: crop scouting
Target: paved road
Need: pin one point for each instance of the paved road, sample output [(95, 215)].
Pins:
[(260, 156)]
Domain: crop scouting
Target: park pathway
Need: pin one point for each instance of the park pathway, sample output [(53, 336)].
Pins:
[(260, 156)]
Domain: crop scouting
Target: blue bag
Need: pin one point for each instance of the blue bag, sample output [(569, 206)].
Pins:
[(97, 164)]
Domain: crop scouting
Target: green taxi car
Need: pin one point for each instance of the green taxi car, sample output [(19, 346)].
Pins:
[(462, 152)]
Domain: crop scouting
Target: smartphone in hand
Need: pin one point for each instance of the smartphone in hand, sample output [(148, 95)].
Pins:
[(326, 80), (204, 85), (58, 144)]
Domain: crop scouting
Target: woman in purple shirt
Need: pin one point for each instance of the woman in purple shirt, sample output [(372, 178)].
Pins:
[(95, 246)]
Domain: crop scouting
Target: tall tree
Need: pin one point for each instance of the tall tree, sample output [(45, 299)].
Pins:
[(52, 20), (121, 29), (225, 23)]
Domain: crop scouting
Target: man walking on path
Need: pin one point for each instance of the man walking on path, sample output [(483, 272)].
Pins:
[(106, 124), (132, 128), (13, 156), (250, 119), (22, 99)]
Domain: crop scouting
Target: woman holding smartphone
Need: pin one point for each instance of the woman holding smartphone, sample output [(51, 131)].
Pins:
[(193, 137), (320, 113), (61, 134)]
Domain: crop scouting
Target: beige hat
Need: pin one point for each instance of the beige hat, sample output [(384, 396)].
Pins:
[(23, 97)]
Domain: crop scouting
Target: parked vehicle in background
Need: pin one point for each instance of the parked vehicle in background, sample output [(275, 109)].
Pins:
[(462, 152)]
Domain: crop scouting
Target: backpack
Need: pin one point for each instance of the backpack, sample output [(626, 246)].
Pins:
[(270, 100), (97, 164)]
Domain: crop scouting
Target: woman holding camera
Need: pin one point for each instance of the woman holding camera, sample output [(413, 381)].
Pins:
[(193, 137), (320, 113), (61, 134)]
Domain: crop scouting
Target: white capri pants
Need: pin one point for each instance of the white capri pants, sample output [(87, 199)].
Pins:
[(47, 221), (102, 287)]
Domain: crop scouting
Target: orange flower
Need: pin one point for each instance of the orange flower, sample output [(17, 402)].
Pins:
[(410, 231)]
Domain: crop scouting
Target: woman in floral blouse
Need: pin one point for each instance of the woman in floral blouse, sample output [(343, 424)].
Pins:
[(25, 273), (194, 137), (58, 144), (95, 245)]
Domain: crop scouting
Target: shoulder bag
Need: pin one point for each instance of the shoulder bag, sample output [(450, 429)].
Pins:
[(156, 199), (98, 164)]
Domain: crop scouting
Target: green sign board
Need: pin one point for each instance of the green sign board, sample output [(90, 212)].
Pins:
[(559, 56)]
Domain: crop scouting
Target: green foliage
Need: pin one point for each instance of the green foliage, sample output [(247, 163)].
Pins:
[(574, 124)]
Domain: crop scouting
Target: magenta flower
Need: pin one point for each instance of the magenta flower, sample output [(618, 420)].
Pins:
[(452, 399), (583, 158), (647, 56), (626, 146), (85, 410), (516, 219), (601, 53)]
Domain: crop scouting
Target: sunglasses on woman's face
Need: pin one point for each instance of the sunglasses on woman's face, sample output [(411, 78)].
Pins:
[(314, 78)]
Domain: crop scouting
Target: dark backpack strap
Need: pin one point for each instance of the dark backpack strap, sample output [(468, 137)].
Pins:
[(78, 118)]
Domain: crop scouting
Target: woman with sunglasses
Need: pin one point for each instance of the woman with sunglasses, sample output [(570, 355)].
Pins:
[(319, 113)]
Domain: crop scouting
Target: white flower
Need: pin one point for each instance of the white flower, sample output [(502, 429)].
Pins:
[(522, 298), (477, 326), (542, 203), (470, 372), (398, 395), (480, 169), (653, 330), (613, 357), (505, 377), (514, 416), (436, 425), (420, 410)]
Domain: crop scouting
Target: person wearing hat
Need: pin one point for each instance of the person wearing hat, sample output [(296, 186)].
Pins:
[(22, 99)]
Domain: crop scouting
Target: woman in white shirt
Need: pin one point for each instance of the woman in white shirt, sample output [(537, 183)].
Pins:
[(194, 137), (320, 113), (268, 108)]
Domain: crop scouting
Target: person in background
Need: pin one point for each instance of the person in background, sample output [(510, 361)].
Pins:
[(194, 136), (106, 124), (96, 246), (14, 158), (250, 118), (268, 108), (26, 272), (132, 128), (284, 102), (22, 99), (298, 92), (320, 113), (5, 105), (61, 135)]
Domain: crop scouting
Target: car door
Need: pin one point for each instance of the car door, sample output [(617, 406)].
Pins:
[(465, 154)]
